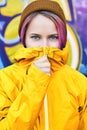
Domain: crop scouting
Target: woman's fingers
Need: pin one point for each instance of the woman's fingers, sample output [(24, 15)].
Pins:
[(43, 64)]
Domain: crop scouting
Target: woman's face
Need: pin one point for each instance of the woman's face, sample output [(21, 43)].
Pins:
[(41, 32)]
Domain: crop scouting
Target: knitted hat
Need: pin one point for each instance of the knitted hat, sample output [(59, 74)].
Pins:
[(39, 5)]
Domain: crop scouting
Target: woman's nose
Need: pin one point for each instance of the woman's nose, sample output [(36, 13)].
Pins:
[(45, 42)]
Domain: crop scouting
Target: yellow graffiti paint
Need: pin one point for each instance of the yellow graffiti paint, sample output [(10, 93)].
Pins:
[(12, 8), (11, 30), (75, 48), (10, 51)]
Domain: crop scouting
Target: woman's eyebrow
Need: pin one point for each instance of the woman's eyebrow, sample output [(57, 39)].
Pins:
[(53, 34), (34, 34)]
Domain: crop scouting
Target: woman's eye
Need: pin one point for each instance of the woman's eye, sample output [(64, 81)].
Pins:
[(35, 37), (53, 37)]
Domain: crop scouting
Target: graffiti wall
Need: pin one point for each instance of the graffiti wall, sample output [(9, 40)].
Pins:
[(76, 16), (80, 25), (10, 11)]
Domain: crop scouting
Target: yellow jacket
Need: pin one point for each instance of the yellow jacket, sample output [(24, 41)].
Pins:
[(23, 88)]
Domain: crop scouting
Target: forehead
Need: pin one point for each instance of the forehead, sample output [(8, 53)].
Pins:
[(40, 22)]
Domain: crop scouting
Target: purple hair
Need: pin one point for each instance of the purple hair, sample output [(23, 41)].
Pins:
[(61, 28)]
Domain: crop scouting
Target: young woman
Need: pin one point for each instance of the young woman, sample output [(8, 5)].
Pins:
[(39, 91)]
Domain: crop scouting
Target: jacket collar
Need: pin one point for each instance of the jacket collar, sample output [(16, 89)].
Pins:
[(28, 55)]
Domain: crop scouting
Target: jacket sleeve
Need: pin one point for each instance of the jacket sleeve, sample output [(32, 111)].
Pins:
[(83, 118), (23, 111), (83, 108)]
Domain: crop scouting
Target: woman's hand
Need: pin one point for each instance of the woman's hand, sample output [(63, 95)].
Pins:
[(43, 64)]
